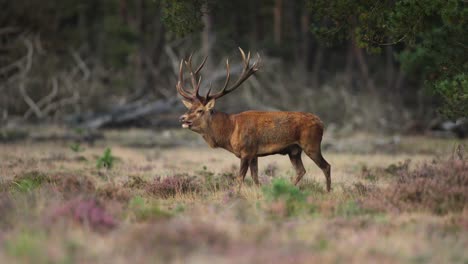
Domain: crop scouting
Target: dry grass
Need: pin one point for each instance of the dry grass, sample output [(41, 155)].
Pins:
[(179, 205)]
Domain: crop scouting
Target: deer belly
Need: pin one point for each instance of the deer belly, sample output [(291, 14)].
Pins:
[(275, 149)]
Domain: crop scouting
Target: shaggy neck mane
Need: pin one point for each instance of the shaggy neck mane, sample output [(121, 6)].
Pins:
[(219, 131)]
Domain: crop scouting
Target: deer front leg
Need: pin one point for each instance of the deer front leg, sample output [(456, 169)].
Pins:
[(244, 166), (254, 170)]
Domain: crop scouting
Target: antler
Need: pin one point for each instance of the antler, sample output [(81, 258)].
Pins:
[(193, 75), (247, 71)]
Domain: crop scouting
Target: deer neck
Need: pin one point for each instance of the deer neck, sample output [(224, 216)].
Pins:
[(219, 130)]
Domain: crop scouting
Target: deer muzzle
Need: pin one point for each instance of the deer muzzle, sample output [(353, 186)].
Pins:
[(185, 122)]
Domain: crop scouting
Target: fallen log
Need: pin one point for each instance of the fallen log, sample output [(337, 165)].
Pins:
[(140, 113)]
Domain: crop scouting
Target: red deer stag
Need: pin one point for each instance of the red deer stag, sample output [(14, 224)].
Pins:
[(251, 134)]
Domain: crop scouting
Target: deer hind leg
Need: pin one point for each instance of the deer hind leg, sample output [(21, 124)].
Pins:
[(244, 166), (316, 155), (298, 166), (254, 170)]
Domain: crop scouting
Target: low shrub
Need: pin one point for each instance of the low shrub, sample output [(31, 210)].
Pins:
[(89, 212), (351, 208), (106, 160), (175, 238), (12, 135), (286, 199), (271, 170), (135, 182), (172, 185), (396, 169), (6, 207), (113, 192), (27, 246), (144, 211), (312, 186), (440, 187), (29, 181), (76, 147), (213, 182), (70, 185)]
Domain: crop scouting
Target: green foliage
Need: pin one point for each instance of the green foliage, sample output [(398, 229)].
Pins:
[(281, 190), (76, 147), (12, 135), (432, 36), (454, 90), (106, 160), (29, 181), (350, 209), (123, 41), (146, 211), (182, 16), (27, 246)]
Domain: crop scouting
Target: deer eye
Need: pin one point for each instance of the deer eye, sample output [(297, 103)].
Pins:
[(199, 111)]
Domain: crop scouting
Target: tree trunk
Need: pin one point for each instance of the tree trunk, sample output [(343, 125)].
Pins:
[(207, 37), (277, 13), (349, 66), (389, 68), (319, 54), (305, 40), (362, 64)]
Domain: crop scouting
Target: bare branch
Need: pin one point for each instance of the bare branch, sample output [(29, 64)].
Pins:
[(81, 65), (30, 102), (46, 99)]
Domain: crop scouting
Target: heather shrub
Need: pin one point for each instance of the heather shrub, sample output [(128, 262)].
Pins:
[(221, 181), (89, 212), (400, 167), (177, 237), (312, 186), (172, 185), (392, 170), (351, 208), (440, 187), (271, 170), (71, 186), (358, 189), (368, 174), (6, 207), (4, 185), (113, 192), (135, 182)]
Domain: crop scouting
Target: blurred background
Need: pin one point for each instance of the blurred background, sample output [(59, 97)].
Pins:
[(114, 63)]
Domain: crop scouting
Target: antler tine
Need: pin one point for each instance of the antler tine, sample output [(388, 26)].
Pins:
[(180, 82), (201, 65), (193, 77), (209, 91), (189, 61), (247, 71), (228, 75), (257, 62), (242, 53)]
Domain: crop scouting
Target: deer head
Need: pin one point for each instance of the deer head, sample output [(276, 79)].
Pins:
[(200, 108)]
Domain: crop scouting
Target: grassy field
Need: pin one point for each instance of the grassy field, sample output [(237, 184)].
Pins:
[(164, 197)]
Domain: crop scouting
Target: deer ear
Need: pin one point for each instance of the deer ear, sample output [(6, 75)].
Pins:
[(187, 104), (210, 104)]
